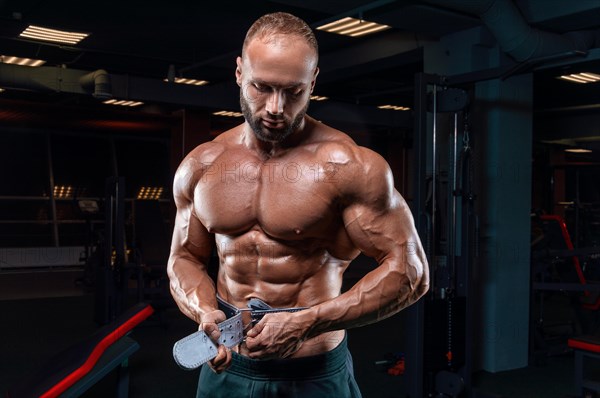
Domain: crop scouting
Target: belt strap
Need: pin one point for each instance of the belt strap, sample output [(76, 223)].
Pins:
[(197, 348)]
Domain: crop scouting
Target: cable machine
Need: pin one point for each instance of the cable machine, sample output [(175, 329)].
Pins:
[(445, 213), (440, 355)]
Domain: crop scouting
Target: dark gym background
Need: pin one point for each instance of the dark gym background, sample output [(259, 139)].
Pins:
[(490, 147)]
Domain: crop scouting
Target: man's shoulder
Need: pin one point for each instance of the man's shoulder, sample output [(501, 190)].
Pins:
[(200, 159), (209, 151), (206, 152), (336, 146), (350, 165), (333, 145)]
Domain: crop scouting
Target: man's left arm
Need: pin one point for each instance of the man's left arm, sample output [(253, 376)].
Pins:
[(380, 223)]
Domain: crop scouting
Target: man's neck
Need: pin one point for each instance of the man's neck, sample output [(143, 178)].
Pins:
[(272, 149)]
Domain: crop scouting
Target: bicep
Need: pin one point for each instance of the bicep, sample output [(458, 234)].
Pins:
[(191, 240), (376, 217), (380, 229), (190, 237)]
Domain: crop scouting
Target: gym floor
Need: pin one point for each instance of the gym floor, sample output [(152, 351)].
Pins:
[(44, 312)]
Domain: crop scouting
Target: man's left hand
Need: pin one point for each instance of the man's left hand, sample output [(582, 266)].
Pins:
[(277, 335)]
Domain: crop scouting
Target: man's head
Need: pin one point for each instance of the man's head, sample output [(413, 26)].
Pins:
[(276, 74)]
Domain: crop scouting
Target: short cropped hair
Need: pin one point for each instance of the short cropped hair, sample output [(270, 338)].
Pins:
[(281, 23)]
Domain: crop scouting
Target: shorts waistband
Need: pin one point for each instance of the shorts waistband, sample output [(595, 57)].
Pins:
[(293, 368)]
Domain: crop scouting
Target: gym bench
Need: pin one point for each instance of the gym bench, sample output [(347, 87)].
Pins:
[(79, 367), (585, 347)]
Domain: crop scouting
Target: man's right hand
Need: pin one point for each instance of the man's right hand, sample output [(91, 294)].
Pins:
[(209, 325)]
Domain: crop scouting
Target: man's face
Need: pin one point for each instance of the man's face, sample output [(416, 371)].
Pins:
[(276, 78)]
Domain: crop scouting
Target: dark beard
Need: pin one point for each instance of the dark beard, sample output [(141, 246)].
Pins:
[(267, 135)]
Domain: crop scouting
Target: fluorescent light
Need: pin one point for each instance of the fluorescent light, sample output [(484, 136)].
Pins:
[(63, 191), (374, 29), (359, 27), (318, 98), (228, 114), (573, 79), (578, 150), (150, 193), (394, 107), (352, 27), (9, 59), (339, 24), (590, 75), (192, 82), (122, 102), (584, 77), (53, 35)]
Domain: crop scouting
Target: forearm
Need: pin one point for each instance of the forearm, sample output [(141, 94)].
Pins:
[(192, 288), (381, 293)]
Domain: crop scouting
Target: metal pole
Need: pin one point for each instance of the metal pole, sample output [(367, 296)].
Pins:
[(452, 236), (415, 313), (577, 201), (52, 198), (434, 175), (113, 152)]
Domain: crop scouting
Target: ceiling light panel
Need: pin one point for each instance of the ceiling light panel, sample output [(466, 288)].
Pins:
[(353, 27), (9, 59), (193, 82), (584, 77), (122, 102), (63, 191), (394, 107), (228, 114), (150, 193), (578, 150), (52, 35)]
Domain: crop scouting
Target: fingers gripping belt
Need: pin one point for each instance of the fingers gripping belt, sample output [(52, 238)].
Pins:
[(197, 348)]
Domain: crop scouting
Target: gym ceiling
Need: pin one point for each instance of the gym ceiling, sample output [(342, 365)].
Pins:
[(140, 44)]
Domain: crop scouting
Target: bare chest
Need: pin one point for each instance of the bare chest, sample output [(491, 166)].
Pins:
[(287, 199)]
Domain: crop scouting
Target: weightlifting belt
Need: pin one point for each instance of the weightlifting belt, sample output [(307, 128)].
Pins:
[(197, 348)]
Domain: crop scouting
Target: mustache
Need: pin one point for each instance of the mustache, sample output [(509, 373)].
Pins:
[(274, 118)]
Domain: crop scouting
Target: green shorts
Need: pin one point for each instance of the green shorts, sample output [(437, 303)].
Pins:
[(325, 375)]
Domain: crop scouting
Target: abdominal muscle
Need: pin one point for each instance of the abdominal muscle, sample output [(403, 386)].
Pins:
[(284, 274)]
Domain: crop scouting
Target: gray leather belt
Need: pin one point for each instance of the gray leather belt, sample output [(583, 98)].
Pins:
[(197, 348)]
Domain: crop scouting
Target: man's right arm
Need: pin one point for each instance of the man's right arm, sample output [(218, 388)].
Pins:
[(191, 246), (192, 288)]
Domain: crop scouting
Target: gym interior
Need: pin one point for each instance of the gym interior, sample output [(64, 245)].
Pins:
[(488, 112)]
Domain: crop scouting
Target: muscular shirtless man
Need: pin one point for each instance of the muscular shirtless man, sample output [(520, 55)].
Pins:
[(288, 202)]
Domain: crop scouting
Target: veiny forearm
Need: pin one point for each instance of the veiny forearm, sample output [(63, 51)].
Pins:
[(381, 293), (192, 288)]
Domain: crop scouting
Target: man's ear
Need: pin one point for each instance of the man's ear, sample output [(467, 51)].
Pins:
[(238, 71), (314, 79)]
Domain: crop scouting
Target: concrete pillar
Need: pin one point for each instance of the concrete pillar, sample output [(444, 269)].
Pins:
[(501, 116), (504, 117)]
